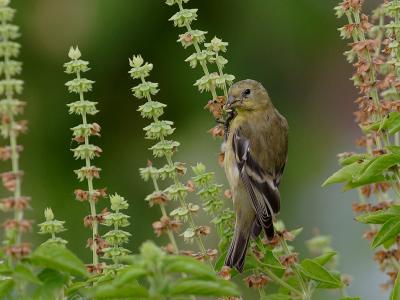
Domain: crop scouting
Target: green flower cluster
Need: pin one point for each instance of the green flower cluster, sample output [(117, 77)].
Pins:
[(210, 54), (85, 150), (116, 238), (160, 130), (52, 227), (213, 204)]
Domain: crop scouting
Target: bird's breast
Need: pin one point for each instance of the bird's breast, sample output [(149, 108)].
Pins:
[(231, 169)]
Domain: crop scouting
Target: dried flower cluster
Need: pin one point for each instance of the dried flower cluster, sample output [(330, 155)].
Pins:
[(86, 151), (11, 128), (375, 54)]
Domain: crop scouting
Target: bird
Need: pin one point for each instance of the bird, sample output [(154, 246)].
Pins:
[(256, 150)]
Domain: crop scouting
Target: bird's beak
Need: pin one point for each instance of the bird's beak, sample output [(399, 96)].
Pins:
[(230, 102)]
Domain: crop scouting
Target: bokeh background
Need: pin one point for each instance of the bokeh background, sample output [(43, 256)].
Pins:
[(292, 47)]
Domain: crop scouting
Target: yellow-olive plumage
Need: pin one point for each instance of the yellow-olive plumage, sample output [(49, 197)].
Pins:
[(255, 156)]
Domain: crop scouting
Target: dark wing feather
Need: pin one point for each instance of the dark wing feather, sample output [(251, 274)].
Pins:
[(259, 184)]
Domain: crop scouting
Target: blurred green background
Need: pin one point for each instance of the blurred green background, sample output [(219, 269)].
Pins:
[(292, 47)]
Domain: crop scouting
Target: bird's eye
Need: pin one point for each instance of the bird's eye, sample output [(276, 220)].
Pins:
[(246, 92)]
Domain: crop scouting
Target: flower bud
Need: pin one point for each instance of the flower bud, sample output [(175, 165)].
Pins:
[(48, 214), (74, 53)]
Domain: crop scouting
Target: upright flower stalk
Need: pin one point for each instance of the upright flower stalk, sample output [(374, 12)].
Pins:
[(213, 204), (205, 54), (375, 53), (11, 128), (86, 151), (52, 227), (159, 130), (116, 237)]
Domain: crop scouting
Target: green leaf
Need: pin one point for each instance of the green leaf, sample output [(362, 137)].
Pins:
[(376, 217), (324, 258), (395, 294), (315, 271), (276, 297), (129, 259), (390, 122), (110, 291), (58, 258), (75, 287), (390, 229), (378, 166), (293, 282), (271, 261), (5, 286), (356, 183), (53, 282), (26, 274), (129, 275), (394, 149), (220, 261), (353, 158), (350, 298), (325, 285), (5, 268), (390, 242), (187, 287), (347, 173), (187, 265), (380, 216), (394, 125)]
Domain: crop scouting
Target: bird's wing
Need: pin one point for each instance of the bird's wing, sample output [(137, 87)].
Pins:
[(260, 185)]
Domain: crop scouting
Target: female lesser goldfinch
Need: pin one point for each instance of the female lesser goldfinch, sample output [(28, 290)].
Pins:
[(255, 156)]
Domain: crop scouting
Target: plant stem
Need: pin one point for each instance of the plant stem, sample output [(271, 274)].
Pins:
[(171, 235), (184, 204), (198, 51), (296, 270), (275, 278), (221, 73), (176, 181), (92, 203), (18, 213)]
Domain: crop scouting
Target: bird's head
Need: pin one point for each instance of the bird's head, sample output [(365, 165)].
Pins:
[(248, 95)]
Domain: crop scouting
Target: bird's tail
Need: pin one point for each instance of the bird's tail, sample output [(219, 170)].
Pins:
[(256, 230), (269, 229), (237, 251)]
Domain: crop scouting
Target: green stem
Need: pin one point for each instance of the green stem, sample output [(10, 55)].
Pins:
[(92, 203), (164, 213), (18, 213), (184, 204), (296, 271), (171, 235), (267, 270), (198, 51), (176, 181), (221, 73)]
